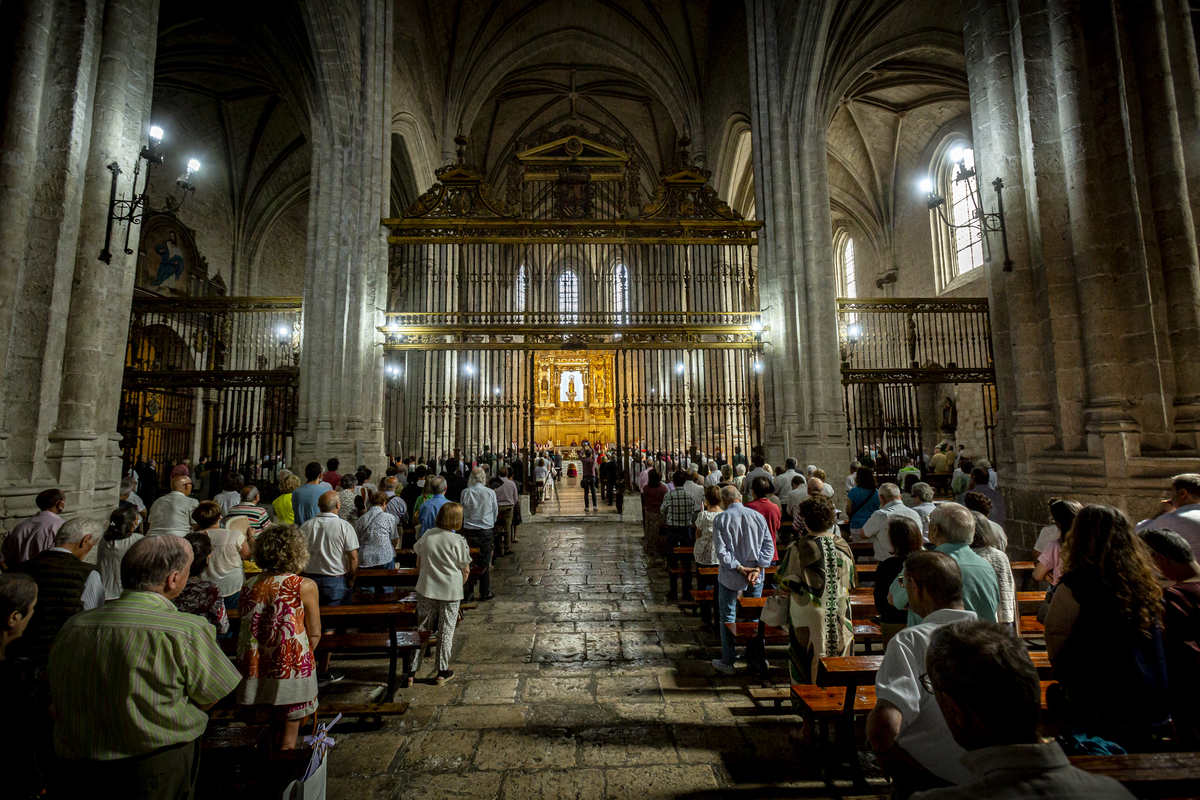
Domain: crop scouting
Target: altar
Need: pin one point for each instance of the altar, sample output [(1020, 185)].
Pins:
[(574, 399)]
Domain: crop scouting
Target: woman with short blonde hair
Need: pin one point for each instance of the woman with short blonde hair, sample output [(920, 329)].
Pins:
[(284, 515)]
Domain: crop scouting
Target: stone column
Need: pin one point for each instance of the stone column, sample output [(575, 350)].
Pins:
[(345, 287), (79, 98), (84, 446), (798, 286), (1075, 106)]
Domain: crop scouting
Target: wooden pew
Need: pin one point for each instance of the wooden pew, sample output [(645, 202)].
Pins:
[(1148, 774)]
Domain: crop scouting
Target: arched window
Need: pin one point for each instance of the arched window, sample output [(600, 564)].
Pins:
[(621, 292), (959, 251), (568, 295), (848, 279), (968, 242), (843, 258), (520, 289)]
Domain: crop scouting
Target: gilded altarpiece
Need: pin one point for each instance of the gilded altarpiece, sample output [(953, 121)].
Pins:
[(574, 399)]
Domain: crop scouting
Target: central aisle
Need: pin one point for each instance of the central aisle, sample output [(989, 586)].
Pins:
[(575, 682)]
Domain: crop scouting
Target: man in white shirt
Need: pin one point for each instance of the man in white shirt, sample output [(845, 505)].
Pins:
[(906, 730), (172, 513), (480, 507), (852, 478), (232, 495), (923, 494), (714, 474), (695, 489), (875, 529), (1182, 512), (783, 482), (988, 692), (332, 551)]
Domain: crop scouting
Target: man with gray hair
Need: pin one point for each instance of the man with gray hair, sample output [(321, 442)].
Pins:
[(923, 495), (66, 585), (249, 508), (129, 495), (952, 529), (744, 548), (988, 693), (1181, 513), (480, 507), (131, 682), (876, 527), (395, 505)]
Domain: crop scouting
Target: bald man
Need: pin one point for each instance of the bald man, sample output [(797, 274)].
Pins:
[(172, 513), (332, 551)]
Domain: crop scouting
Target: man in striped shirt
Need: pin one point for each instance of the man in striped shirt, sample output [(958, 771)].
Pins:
[(680, 509), (249, 508), (131, 682)]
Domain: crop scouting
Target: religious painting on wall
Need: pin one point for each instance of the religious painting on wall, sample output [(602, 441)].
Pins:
[(168, 261)]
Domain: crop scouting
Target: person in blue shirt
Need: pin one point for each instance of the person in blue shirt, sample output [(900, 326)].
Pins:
[(744, 547), (862, 501), (304, 499), (952, 529), (428, 511)]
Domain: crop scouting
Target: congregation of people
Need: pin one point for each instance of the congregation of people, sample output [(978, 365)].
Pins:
[(102, 677), (958, 702), (1123, 596)]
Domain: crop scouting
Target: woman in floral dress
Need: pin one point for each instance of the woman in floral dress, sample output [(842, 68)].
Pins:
[(281, 625), (817, 572)]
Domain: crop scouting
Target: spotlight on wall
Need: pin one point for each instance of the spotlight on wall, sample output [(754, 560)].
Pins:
[(132, 211), (756, 326), (978, 217), (679, 368)]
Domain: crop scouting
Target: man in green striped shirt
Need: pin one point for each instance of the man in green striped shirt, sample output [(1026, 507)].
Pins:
[(131, 682)]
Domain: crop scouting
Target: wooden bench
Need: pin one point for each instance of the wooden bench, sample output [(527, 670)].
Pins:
[(868, 633), (770, 694), (401, 576), (1031, 628), (1148, 774), (748, 632), (1029, 602)]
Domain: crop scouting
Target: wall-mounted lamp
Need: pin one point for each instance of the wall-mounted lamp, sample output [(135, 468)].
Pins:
[(984, 221), (133, 210)]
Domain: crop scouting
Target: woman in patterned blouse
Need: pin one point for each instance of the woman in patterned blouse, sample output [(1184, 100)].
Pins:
[(201, 597), (281, 625)]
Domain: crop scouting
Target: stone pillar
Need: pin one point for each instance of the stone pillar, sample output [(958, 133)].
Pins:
[(1075, 106), (798, 286), (79, 98), (345, 287)]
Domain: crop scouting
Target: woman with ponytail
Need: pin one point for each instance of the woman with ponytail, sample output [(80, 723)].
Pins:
[(117, 540)]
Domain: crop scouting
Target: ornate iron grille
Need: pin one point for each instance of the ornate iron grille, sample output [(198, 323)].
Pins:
[(661, 310)]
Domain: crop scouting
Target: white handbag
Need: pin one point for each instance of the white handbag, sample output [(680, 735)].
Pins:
[(775, 610)]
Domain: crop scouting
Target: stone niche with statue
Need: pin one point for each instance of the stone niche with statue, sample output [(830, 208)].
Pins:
[(574, 399), (169, 262)]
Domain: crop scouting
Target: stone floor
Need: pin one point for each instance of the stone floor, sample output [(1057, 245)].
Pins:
[(577, 681)]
